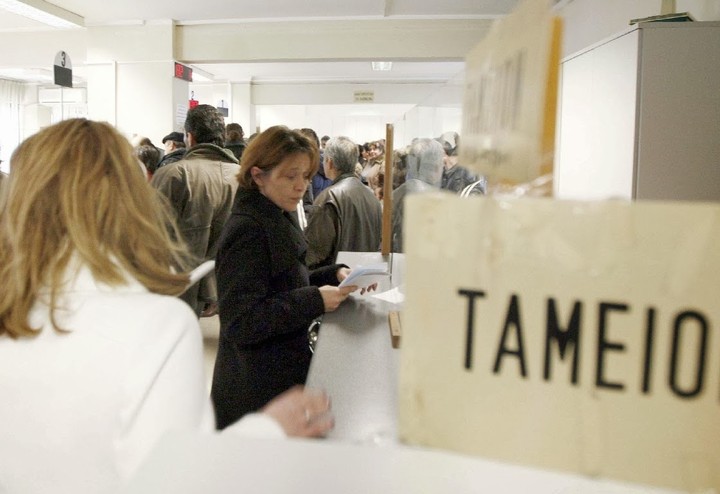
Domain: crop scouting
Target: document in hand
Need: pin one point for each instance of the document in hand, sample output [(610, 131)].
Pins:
[(363, 276), (200, 272)]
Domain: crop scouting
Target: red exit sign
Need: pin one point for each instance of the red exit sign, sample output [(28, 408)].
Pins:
[(183, 72)]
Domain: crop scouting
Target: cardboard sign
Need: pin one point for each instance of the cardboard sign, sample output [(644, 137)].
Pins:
[(509, 104), (573, 336)]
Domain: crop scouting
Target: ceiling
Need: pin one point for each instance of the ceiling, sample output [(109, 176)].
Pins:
[(186, 12)]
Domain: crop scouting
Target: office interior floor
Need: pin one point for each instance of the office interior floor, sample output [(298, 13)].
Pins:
[(210, 327)]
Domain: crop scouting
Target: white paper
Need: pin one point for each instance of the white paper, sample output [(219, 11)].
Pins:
[(200, 272), (363, 276), (394, 296)]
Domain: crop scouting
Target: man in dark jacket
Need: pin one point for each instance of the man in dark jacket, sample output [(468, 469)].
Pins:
[(175, 149), (201, 188), (455, 177), (346, 216)]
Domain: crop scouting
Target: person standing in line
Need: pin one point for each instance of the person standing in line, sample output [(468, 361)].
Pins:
[(267, 296), (235, 139), (455, 177), (346, 216), (175, 149), (424, 162), (200, 188), (98, 357), (149, 157)]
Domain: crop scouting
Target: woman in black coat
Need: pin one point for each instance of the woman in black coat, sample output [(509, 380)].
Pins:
[(267, 297)]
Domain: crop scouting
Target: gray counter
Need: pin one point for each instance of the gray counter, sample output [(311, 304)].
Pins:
[(354, 360)]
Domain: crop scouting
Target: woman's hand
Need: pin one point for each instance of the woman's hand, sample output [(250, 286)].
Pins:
[(333, 296), (301, 412), (343, 273), (368, 288)]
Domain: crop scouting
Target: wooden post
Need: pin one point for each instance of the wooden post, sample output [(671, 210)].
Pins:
[(387, 192)]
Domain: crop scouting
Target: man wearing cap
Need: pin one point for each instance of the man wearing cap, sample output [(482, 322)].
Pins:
[(201, 188), (174, 144)]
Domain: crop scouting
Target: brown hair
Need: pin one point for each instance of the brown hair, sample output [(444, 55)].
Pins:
[(269, 148), (77, 192)]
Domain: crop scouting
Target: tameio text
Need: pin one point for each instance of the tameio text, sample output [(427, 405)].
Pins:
[(566, 338)]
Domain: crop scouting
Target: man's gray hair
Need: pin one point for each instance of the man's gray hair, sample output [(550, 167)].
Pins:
[(425, 161), (343, 152)]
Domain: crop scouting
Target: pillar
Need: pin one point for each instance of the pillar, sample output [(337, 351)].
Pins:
[(131, 81)]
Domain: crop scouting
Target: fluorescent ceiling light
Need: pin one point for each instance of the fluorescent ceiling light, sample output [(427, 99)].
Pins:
[(382, 65), (42, 11)]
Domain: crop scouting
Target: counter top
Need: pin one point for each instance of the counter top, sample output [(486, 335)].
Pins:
[(354, 360)]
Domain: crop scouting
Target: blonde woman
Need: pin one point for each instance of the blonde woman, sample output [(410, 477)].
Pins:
[(98, 358)]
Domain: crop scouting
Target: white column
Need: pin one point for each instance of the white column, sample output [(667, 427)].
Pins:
[(242, 109), (131, 81)]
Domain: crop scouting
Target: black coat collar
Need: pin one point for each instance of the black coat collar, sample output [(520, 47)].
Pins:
[(285, 240)]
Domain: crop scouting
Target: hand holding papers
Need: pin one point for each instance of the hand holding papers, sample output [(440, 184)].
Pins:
[(363, 276)]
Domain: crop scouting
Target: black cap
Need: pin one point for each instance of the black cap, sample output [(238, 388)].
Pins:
[(174, 136)]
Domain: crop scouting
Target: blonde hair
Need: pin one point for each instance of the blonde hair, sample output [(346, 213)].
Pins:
[(76, 191), (269, 148)]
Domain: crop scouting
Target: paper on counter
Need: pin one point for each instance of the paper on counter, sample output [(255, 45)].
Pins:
[(394, 296)]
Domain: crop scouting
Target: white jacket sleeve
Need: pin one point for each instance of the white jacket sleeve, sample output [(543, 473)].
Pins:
[(164, 386), (166, 390), (256, 425)]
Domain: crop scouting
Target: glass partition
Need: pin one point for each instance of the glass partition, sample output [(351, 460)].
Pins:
[(439, 114)]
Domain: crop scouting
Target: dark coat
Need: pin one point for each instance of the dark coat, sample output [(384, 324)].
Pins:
[(236, 147), (267, 300), (457, 178), (171, 157)]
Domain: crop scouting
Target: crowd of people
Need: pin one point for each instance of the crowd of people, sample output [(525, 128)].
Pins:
[(100, 346)]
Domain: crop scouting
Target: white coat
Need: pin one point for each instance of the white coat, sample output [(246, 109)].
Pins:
[(81, 409)]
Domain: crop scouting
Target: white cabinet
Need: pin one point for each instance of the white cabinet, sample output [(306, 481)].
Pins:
[(639, 116)]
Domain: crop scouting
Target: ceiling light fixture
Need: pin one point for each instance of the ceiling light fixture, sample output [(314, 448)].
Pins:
[(45, 12), (381, 65)]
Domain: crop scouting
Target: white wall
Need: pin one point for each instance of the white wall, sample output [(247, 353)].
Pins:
[(590, 21), (130, 79), (427, 121), (326, 108), (145, 99), (361, 123)]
